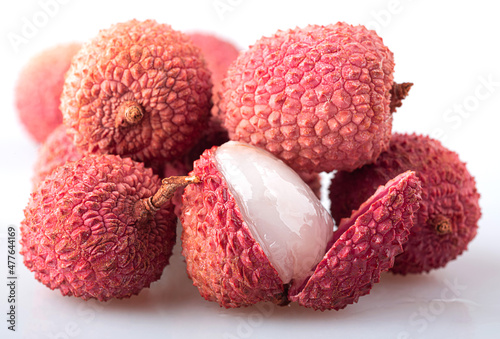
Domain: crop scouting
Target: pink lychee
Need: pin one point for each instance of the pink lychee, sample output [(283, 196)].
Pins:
[(39, 87)]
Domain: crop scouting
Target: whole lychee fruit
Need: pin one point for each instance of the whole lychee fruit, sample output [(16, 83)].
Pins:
[(219, 54), (55, 151), (139, 89), (39, 87), (318, 97), (448, 216), (254, 231), (99, 227)]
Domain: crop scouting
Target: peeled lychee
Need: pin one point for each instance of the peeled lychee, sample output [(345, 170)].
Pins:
[(318, 97), (447, 219), (56, 150), (39, 87), (139, 89), (254, 231), (99, 227)]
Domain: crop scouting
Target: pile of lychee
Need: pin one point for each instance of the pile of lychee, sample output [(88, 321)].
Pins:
[(160, 125)]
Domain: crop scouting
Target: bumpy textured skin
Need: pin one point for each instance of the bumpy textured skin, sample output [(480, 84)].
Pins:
[(214, 135), (147, 63), (81, 235), (449, 192), (56, 150), (317, 97), (39, 87), (367, 248), (224, 261)]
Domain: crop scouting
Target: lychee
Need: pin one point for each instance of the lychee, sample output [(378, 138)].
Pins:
[(219, 53), (254, 231), (318, 97), (139, 89), (99, 227), (448, 216), (39, 87), (55, 151)]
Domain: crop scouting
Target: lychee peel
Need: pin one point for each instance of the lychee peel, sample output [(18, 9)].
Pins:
[(139, 89), (448, 217), (364, 246), (318, 97), (88, 232), (230, 267)]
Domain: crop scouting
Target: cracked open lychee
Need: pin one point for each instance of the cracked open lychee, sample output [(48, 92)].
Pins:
[(254, 231), (100, 227), (320, 97), (139, 89), (39, 87), (449, 213)]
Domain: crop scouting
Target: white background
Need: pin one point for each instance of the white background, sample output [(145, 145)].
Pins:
[(449, 50)]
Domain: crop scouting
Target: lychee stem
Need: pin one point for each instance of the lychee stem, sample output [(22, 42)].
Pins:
[(398, 93), (149, 206), (129, 113), (169, 186), (442, 225)]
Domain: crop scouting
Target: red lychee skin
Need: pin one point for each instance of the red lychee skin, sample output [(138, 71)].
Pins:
[(56, 150), (147, 65), (354, 262), (81, 232), (228, 266), (316, 97), (39, 87), (449, 213)]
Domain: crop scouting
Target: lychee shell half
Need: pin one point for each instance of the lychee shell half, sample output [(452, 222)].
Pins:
[(81, 235), (139, 89), (39, 87), (316, 97), (228, 266), (364, 245), (448, 217)]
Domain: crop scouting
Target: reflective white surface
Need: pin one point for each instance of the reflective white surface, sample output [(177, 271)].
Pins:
[(451, 53)]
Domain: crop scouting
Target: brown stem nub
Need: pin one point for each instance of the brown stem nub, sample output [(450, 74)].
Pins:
[(129, 113), (398, 93), (442, 225), (147, 207), (169, 186)]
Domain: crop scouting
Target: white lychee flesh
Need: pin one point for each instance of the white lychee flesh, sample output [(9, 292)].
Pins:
[(282, 212)]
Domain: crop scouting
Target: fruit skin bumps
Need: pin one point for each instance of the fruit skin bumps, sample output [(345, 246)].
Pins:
[(138, 89), (88, 232), (318, 97), (229, 266), (39, 87), (448, 216)]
